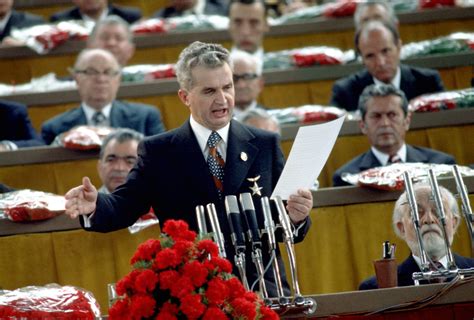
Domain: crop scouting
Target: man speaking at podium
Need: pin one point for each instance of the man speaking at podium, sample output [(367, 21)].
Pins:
[(208, 157)]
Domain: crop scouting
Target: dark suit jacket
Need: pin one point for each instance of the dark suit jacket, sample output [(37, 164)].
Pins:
[(173, 177), (20, 20), (414, 82), (15, 125), (212, 7), (408, 267), (139, 117), (5, 188), (128, 14), (368, 160)]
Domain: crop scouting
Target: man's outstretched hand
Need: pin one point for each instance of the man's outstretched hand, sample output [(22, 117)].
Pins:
[(81, 199)]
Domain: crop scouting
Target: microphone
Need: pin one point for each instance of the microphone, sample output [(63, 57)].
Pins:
[(284, 219), (251, 218), (216, 228), (201, 220), (269, 224), (237, 236)]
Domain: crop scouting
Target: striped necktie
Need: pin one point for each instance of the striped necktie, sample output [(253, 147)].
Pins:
[(394, 159), (98, 119), (216, 162)]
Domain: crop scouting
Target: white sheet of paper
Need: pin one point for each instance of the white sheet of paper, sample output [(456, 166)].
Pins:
[(308, 155)]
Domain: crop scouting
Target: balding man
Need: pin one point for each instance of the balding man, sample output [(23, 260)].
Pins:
[(432, 235), (97, 75), (378, 43)]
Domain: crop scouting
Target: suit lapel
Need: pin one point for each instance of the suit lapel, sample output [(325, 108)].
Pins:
[(414, 155), (369, 161), (407, 82), (241, 154)]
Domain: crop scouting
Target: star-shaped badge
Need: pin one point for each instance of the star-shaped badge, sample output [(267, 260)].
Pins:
[(255, 188)]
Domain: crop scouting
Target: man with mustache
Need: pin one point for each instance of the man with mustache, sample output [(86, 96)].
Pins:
[(379, 45), (118, 155), (385, 120), (431, 232)]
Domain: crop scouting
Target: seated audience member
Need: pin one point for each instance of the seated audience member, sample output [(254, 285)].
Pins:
[(260, 118), (247, 26), (378, 44), (385, 121), (97, 75), (12, 19), (16, 130), (248, 81), (431, 231), (113, 34), (118, 155), (374, 10), (180, 8), (95, 10)]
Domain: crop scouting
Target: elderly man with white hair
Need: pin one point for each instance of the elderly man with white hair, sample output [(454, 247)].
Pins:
[(431, 232)]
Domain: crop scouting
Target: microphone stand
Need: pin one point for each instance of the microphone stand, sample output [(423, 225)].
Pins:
[(415, 217), (465, 205), (216, 228), (270, 230), (233, 216), (442, 217), (249, 210), (289, 243)]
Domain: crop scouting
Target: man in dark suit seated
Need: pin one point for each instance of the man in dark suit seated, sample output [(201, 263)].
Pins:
[(12, 19), (16, 130), (378, 43), (248, 81), (385, 121), (180, 8), (96, 10), (113, 34), (173, 176), (431, 231), (97, 75)]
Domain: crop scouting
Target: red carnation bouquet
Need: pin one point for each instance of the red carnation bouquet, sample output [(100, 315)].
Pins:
[(181, 276)]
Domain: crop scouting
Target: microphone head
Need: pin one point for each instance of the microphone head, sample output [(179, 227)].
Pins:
[(231, 204), (246, 201)]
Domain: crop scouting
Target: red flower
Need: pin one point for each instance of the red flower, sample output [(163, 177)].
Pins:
[(168, 278), (182, 287), (178, 229), (208, 247), (184, 249), (197, 272), (213, 313), (166, 258), (236, 289), (243, 309), (217, 291), (120, 310), (146, 251), (222, 265), (268, 314), (126, 283), (191, 306), (142, 306), (146, 281)]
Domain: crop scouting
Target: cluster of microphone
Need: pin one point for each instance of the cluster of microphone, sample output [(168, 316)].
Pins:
[(452, 270), (245, 234)]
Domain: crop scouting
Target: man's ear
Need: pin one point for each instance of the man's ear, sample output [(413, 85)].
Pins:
[(183, 96), (401, 229), (362, 127), (407, 121)]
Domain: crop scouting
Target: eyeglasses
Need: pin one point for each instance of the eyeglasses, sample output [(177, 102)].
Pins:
[(91, 72), (245, 76)]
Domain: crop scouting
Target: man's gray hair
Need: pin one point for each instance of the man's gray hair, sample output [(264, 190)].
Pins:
[(208, 55), (402, 206), (111, 20), (258, 113), (120, 135), (239, 55), (361, 6), (380, 90)]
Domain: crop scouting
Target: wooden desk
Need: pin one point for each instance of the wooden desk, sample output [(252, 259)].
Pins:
[(349, 224), (20, 64)]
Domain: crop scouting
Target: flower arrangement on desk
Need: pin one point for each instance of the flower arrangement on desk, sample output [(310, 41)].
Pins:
[(182, 276)]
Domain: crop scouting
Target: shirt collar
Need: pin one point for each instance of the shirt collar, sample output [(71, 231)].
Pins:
[(443, 261), (395, 81), (202, 135), (383, 157), (4, 21), (89, 111)]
